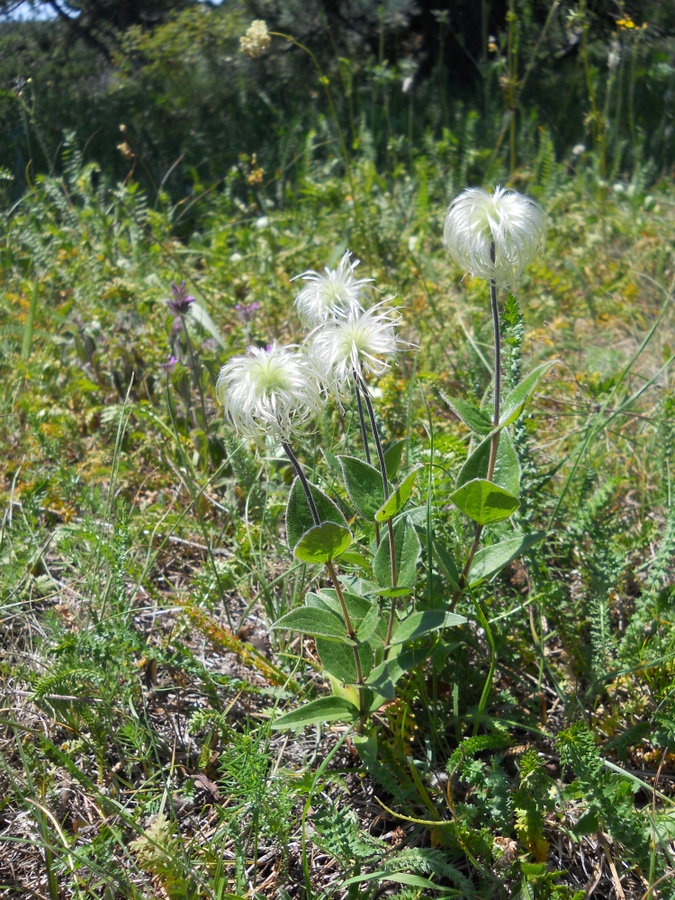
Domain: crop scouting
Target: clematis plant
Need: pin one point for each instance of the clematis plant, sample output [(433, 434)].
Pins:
[(493, 237), (369, 624), (330, 295), (365, 640)]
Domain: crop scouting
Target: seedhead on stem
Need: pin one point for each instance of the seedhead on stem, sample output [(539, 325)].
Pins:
[(360, 343), (273, 391), (330, 295), (256, 40), (494, 236)]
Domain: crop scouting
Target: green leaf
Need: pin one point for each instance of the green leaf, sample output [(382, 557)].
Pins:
[(199, 314), (507, 466), (536, 870), (485, 502), (397, 878), (394, 592), (357, 606), (299, 517), (446, 563), (515, 402), (322, 543), (338, 659), (398, 497), (325, 709), (369, 623), (384, 677), (407, 550), (364, 485), (315, 622), (392, 458), (587, 824), (318, 602), (418, 624), (419, 516), (490, 560), (477, 419), (355, 558)]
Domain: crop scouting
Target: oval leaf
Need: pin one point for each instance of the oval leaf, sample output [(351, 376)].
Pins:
[(314, 622), (477, 420), (369, 623), (364, 485), (490, 560), (485, 502), (358, 607), (392, 458), (394, 592), (446, 562), (322, 543), (384, 677), (338, 659), (407, 550), (398, 497), (515, 402), (325, 709), (299, 517), (418, 624), (507, 465)]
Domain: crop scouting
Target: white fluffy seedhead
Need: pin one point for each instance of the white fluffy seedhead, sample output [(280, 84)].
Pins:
[(508, 221), (331, 294), (362, 341), (270, 391)]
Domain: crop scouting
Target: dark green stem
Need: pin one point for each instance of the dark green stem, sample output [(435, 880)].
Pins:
[(494, 446), (364, 438), (362, 421), (376, 434), (385, 489), (494, 442), (300, 472)]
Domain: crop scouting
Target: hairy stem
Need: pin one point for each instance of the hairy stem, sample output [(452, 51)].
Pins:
[(300, 472), (494, 446)]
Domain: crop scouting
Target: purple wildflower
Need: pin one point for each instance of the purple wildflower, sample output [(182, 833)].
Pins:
[(181, 300), (169, 365), (247, 310)]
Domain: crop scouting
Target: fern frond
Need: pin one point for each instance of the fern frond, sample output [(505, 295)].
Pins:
[(476, 744)]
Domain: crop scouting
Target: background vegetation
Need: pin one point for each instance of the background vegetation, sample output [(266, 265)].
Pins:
[(142, 547)]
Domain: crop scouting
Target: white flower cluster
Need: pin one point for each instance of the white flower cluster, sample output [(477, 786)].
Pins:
[(277, 390), (346, 339), (256, 40)]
